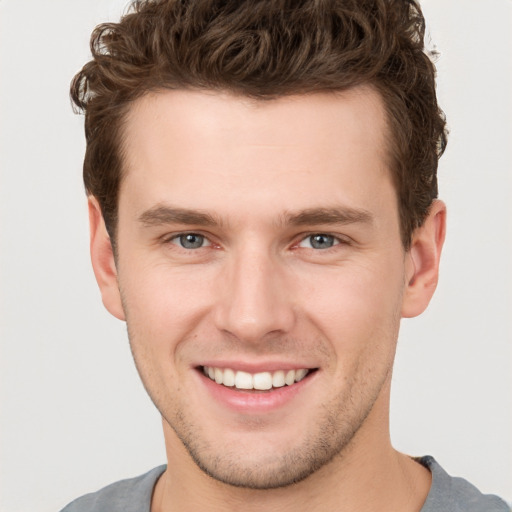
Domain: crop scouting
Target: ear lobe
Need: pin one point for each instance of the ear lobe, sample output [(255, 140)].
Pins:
[(103, 262), (422, 265)]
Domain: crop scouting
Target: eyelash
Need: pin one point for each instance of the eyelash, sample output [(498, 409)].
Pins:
[(177, 237), (309, 238)]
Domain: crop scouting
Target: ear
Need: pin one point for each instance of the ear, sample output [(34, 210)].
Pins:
[(103, 263), (422, 261)]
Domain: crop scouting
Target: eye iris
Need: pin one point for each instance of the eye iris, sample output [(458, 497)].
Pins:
[(321, 241), (191, 241)]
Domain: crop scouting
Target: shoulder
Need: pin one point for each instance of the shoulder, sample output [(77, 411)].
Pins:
[(131, 495), (455, 494)]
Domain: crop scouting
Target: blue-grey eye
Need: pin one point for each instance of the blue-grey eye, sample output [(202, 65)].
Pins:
[(319, 241), (192, 241)]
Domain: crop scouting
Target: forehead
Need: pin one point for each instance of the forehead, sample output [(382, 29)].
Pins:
[(357, 113), (195, 147)]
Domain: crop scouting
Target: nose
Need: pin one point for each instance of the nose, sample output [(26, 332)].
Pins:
[(254, 301)]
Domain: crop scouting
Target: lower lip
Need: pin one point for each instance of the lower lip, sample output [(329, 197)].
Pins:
[(254, 402)]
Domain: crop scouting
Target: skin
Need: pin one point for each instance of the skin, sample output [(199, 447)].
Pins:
[(257, 293)]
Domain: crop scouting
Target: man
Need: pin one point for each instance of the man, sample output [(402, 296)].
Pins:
[(263, 209)]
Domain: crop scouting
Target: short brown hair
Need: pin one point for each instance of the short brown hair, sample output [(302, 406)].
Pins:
[(266, 49)]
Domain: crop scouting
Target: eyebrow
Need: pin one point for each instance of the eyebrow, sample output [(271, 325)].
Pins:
[(161, 214), (169, 215), (334, 215)]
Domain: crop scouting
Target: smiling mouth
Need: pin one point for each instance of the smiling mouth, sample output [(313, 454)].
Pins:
[(262, 381)]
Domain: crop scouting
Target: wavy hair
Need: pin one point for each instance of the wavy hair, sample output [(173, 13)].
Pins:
[(266, 49)]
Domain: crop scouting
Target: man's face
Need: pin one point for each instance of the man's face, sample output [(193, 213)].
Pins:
[(259, 241)]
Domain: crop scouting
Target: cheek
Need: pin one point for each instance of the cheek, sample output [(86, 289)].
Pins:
[(164, 303), (357, 306)]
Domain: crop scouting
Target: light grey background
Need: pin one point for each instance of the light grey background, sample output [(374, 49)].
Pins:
[(74, 416)]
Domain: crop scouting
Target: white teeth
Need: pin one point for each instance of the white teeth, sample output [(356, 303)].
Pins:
[(229, 377), (290, 377), (243, 380), (299, 374), (278, 379), (261, 381)]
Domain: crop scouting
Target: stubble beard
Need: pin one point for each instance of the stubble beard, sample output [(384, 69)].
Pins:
[(335, 430), (330, 441), (336, 426)]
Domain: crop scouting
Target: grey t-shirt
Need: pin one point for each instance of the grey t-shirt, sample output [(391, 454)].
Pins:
[(453, 494), (447, 494)]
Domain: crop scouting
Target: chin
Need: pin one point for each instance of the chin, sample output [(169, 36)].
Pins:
[(259, 461)]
